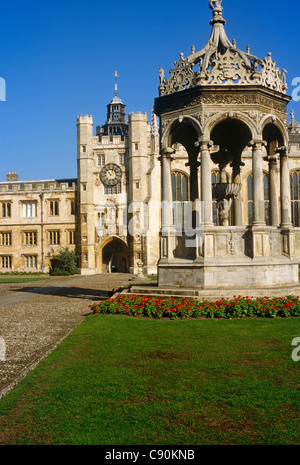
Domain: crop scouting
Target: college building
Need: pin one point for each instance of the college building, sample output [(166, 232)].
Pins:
[(218, 137)]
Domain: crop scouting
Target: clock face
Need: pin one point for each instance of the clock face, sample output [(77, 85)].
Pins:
[(111, 174)]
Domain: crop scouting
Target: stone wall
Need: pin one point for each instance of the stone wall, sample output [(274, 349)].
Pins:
[(41, 220)]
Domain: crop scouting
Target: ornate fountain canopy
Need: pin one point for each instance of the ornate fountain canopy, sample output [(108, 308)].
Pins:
[(221, 63)]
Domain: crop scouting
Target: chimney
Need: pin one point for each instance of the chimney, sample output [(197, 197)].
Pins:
[(12, 176)]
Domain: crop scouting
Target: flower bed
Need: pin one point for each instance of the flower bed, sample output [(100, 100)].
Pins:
[(238, 307)]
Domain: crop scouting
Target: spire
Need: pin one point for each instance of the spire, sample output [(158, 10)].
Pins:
[(218, 41), (116, 99), (116, 83), (218, 36)]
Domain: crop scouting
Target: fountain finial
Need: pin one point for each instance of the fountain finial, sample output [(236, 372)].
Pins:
[(215, 5)]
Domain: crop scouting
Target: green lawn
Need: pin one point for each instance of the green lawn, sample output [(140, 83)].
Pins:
[(19, 280), (133, 381)]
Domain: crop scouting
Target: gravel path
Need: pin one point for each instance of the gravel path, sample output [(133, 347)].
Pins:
[(51, 309)]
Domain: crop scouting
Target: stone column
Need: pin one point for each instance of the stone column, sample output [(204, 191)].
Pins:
[(237, 201), (206, 186), (285, 188), (273, 183), (166, 188), (258, 183)]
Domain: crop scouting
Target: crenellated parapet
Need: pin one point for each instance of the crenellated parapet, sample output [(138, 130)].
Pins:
[(51, 185)]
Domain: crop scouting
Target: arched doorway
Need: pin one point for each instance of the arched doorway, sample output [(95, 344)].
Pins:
[(114, 256)]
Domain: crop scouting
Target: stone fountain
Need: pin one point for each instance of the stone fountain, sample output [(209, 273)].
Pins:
[(224, 192)]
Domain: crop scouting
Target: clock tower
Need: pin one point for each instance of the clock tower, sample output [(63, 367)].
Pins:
[(118, 190)]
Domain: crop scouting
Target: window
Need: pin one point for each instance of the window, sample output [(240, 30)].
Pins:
[(83, 148), (122, 160), (53, 208), (30, 261), (54, 237), (29, 209), (6, 210), (109, 190), (5, 239), (180, 196), (136, 146), (71, 237), (295, 197), (72, 207), (6, 261), (30, 238), (101, 160), (124, 217), (101, 220), (250, 199)]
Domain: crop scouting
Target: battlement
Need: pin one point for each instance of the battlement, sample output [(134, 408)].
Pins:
[(51, 185), (139, 116), (110, 141), (87, 119)]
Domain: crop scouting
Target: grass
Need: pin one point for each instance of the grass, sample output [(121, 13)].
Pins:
[(20, 280), (138, 381), (23, 273)]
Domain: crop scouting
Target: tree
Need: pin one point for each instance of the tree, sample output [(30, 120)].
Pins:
[(66, 263)]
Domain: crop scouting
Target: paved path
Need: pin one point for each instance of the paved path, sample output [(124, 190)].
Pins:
[(30, 290), (35, 317)]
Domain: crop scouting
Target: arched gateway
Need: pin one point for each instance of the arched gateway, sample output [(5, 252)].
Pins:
[(113, 255), (227, 108)]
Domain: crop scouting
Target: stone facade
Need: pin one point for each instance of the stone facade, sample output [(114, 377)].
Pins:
[(37, 218), (106, 222)]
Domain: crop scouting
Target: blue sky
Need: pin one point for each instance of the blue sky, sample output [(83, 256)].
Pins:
[(58, 59)]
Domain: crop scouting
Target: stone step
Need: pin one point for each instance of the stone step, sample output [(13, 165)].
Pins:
[(154, 291)]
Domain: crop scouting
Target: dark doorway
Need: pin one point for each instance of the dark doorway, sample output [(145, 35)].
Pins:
[(115, 257)]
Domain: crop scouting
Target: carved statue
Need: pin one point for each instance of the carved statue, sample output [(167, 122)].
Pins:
[(162, 78), (215, 5), (223, 206)]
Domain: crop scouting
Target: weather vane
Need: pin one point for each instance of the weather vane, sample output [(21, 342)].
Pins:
[(116, 83)]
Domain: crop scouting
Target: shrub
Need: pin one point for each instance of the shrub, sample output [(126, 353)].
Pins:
[(66, 263), (238, 307)]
